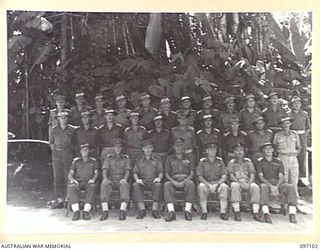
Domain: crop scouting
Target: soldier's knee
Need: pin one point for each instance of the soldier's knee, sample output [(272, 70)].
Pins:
[(224, 186), (201, 186), (167, 185), (157, 185), (264, 186), (254, 186), (190, 184)]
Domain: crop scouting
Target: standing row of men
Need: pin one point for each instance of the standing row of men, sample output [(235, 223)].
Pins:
[(100, 138)]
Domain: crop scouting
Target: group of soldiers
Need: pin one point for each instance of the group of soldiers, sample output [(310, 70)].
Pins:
[(162, 151)]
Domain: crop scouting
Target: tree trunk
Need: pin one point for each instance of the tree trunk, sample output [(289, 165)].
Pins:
[(64, 38)]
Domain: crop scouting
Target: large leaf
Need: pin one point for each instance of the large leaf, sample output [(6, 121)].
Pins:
[(26, 16), (153, 33), (39, 23), (297, 42), (17, 43), (284, 51), (273, 25), (44, 53)]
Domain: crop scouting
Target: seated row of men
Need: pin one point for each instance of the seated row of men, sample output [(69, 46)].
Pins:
[(178, 173)]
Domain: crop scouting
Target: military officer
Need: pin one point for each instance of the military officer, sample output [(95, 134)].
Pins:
[(271, 174), (242, 177), (273, 113), (98, 118), (147, 173), (228, 115), (107, 132), (169, 116), (188, 111), (179, 172), (146, 111), (249, 113), (60, 101), (134, 136), (160, 138), (82, 176), (232, 138), (115, 172), (183, 130), (208, 133), (212, 175), (76, 110), (62, 141), (207, 110), (87, 133), (301, 124), (289, 147), (123, 112), (258, 137)]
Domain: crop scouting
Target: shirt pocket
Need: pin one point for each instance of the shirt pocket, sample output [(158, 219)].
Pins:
[(282, 143)]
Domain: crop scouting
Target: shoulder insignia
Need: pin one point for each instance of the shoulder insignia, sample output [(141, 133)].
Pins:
[(199, 131), (232, 160), (119, 125), (101, 126), (199, 112), (76, 159), (269, 130), (53, 110), (174, 112), (217, 130), (247, 159), (191, 128), (55, 126), (142, 127), (150, 131), (109, 155), (95, 127), (203, 159), (73, 126), (125, 156), (154, 109), (219, 158), (174, 128), (226, 134), (241, 111), (251, 132), (242, 132), (127, 129), (264, 110), (93, 159), (166, 130), (260, 159), (305, 113)]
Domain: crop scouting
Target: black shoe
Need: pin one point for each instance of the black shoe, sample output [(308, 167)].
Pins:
[(257, 217), (292, 218), (223, 216), (237, 216), (204, 216), (104, 216), (86, 215), (57, 205), (267, 218), (122, 215), (76, 216), (156, 214), (187, 215), (141, 214), (171, 217)]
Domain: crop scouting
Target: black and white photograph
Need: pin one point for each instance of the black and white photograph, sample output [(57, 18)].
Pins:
[(159, 121)]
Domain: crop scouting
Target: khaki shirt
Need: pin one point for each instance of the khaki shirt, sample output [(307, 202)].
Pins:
[(134, 138), (63, 139), (255, 139), (270, 169), (148, 169), (241, 171), (247, 118), (116, 166), (211, 171), (84, 170), (287, 144), (178, 169)]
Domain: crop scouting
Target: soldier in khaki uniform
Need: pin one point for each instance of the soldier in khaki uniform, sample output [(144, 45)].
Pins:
[(249, 113), (212, 176), (207, 110), (123, 112), (301, 124), (98, 118), (82, 176), (134, 136), (228, 115), (146, 111), (60, 101), (147, 173), (62, 141), (271, 174), (179, 172), (75, 111), (188, 111), (169, 116), (242, 177), (115, 172)]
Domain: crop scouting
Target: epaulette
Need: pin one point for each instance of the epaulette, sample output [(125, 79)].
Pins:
[(244, 133), (150, 131), (174, 128), (54, 126), (76, 159), (73, 126), (166, 130), (101, 126), (118, 124), (126, 129), (305, 113), (199, 131), (154, 109), (199, 112), (191, 128), (91, 158), (247, 159), (125, 156), (227, 133), (174, 112), (241, 111), (219, 158), (143, 127), (264, 110), (269, 130), (53, 110), (109, 155), (95, 127), (260, 159), (129, 111), (295, 132), (203, 159), (218, 130), (232, 160), (251, 132)]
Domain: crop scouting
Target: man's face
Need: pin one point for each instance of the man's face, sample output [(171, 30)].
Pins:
[(230, 105), (134, 119), (109, 117), (63, 120), (274, 100), (146, 102), (208, 123), (165, 106), (251, 102), (85, 119), (80, 100), (60, 104), (296, 105), (117, 149), (178, 148), (147, 150), (212, 151), (239, 152), (207, 104), (158, 123), (260, 125), (286, 124), (182, 121), (99, 103), (84, 152), (122, 103), (235, 126), (268, 150), (186, 104)]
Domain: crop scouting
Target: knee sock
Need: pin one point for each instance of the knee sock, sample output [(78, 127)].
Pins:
[(265, 209), (155, 205), (123, 206), (188, 207), (141, 206), (236, 207), (255, 208), (170, 207), (75, 207), (104, 206), (87, 207)]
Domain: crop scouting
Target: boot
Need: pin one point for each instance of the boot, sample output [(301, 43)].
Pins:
[(76, 216), (104, 216)]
